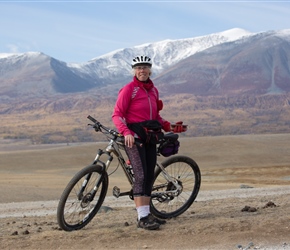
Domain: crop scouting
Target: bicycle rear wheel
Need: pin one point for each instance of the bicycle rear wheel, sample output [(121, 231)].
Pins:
[(82, 198), (167, 201)]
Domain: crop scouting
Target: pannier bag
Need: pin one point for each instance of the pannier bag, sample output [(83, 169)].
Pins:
[(148, 131), (169, 148)]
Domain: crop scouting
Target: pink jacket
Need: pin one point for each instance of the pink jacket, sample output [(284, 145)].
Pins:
[(137, 102)]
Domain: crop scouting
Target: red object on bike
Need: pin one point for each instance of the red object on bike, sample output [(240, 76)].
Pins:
[(178, 127)]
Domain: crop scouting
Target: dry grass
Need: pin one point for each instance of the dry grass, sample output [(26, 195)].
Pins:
[(34, 172), (64, 119)]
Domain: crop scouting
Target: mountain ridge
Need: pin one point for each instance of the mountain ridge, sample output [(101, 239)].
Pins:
[(109, 69), (256, 65), (235, 86)]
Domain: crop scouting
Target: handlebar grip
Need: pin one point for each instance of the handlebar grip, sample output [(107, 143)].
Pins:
[(92, 119)]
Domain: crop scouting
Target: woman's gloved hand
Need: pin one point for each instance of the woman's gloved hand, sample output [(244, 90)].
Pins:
[(178, 127)]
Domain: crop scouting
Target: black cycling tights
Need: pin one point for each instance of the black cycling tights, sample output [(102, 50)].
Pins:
[(143, 161)]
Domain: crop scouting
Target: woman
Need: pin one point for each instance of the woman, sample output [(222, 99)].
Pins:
[(138, 101)]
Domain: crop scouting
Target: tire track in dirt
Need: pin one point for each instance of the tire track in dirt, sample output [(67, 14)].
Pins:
[(44, 208)]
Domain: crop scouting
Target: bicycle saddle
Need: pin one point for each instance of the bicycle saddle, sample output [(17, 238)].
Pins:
[(171, 136)]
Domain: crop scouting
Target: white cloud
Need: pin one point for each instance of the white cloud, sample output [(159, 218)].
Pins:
[(12, 48)]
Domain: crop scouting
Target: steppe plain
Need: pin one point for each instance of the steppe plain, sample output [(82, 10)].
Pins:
[(238, 173)]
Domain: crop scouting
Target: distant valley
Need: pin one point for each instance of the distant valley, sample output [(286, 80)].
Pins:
[(64, 119)]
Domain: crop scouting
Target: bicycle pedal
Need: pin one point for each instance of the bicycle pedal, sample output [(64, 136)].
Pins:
[(116, 191)]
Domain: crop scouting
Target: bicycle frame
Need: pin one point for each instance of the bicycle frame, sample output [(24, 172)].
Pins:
[(114, 147), (162, 196)]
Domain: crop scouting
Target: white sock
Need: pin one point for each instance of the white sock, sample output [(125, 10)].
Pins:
[(143, 211)]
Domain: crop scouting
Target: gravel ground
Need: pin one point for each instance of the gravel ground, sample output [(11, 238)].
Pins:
[(244, 218)]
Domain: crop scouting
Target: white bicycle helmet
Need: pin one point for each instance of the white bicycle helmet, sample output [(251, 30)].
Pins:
[(141, 60)]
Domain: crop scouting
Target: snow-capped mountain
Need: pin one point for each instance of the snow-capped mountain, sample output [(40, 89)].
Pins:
[(36, 74), (232, 82), (259, 64), (164, 54), (230, 62)]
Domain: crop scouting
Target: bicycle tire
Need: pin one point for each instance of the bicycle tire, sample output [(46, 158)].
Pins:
[(75, 211), (186, 171)]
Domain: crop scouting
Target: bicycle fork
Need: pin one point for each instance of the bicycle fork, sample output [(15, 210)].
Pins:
[(91, 194)]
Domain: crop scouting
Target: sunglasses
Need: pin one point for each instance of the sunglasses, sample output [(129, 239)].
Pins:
[(142, 67)]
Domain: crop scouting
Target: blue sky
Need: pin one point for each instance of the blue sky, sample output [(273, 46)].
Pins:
[(77, 31)]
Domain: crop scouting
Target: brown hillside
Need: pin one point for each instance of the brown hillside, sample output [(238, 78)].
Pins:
[(63, 118)]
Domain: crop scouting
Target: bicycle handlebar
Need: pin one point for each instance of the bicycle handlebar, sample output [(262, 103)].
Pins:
[(120, 138), (98, 126)]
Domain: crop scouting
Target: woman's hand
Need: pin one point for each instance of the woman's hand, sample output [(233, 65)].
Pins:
[(129, 140), (178, 127)]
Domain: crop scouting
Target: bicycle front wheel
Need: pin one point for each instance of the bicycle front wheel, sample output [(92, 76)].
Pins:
[(171, 198), (82, 198)]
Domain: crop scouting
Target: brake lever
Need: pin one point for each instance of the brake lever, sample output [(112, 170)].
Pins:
[(95, 126)]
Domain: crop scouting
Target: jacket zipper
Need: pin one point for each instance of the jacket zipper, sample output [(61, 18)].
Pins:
[(150, 105)]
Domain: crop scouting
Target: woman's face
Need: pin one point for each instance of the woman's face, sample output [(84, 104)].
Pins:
[(142, 72)]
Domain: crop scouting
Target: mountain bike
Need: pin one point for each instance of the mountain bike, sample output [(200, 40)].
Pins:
[(176, 182)]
